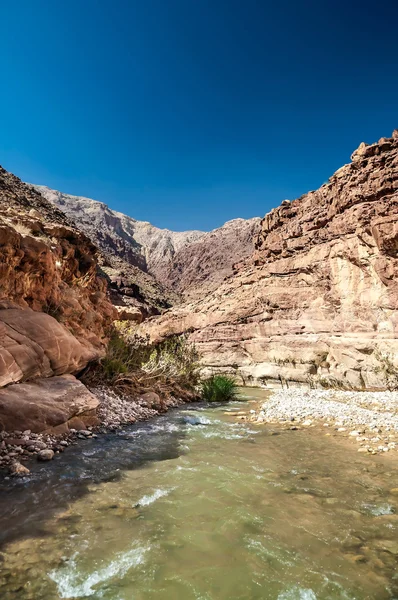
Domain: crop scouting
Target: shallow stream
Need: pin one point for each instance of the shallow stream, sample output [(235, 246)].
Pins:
[(220, 510)]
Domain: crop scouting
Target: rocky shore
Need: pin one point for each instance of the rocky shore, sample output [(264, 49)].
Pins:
[(115, 411), (369, 418)]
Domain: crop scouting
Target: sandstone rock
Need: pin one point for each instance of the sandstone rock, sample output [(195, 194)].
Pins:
[(45, 455), (318, 300), (129, 313), (44, 404), (46, 265), (34, 344)]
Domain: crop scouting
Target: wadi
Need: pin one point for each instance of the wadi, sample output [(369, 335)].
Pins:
[(201, 414)]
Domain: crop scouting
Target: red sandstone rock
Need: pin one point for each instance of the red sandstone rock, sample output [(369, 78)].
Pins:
[(43, 404)]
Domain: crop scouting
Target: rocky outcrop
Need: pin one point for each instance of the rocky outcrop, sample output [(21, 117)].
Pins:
[(318, 300), (54, 308), (199, 267), (47, 405), (48, 265)]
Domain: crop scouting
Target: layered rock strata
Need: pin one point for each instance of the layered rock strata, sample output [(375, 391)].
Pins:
[(317, 303)]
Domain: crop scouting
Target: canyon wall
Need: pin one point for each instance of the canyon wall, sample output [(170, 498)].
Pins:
[(54, 307), (317, 302)]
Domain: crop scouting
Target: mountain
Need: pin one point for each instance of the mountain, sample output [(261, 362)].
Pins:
[(201, 266), (137, 242), (152, 268), (317, 301)]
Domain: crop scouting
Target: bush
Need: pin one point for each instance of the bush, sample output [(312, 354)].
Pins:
[(388, 369), (219, 388), (134, 365)]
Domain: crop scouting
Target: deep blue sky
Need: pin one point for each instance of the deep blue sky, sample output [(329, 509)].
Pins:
[(188, 113)]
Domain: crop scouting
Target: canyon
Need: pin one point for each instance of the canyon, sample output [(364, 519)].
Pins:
[(307, 295)]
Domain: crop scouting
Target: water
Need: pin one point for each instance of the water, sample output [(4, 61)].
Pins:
[(217, 511)]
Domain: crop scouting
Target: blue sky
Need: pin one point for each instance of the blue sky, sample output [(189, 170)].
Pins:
[(188, 113)]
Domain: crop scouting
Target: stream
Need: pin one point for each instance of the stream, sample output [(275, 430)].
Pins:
[(197, 505)]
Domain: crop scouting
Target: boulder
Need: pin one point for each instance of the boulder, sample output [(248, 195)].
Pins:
[(18, 470), (45, 404), (34, 344)]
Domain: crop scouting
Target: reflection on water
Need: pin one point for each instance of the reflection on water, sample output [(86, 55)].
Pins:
[(217, 510)]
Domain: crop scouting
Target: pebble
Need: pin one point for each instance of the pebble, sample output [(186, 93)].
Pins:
[(45, 455), (358, 413)]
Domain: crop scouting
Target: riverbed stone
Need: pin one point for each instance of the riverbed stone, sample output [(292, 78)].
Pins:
[(18, 469), (45, 455)]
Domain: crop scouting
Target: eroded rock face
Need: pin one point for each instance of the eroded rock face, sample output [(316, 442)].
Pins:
[(318, 300), (49, 405), (54, 311), (199, 267), (49, 266)]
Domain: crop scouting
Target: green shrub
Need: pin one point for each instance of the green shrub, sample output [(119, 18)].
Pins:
[(132, 361), (219, 388), (175, 358)]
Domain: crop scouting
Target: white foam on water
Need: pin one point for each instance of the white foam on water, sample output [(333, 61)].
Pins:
[(159, 493), (74, 584), (379, 510), (297, 593)]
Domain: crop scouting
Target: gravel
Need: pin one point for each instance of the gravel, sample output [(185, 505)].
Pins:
[(114, 412), (369, 418)]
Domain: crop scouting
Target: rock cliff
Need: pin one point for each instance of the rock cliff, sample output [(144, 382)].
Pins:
[(200, 267), (317, 302), (54, 306), (135, 254), (151, 269)]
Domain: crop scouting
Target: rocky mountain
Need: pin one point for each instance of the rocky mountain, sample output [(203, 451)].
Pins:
[(54, 310), (136, 251), (151, 267), (200, 267), (317, 302)]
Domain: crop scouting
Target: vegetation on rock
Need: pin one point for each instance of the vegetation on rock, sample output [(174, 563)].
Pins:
[(134, 365)]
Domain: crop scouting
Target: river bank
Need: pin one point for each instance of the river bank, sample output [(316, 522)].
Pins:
[(370, 419), (115, 411)]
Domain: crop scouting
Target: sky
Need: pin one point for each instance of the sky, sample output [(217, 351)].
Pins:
[(188, 113)]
